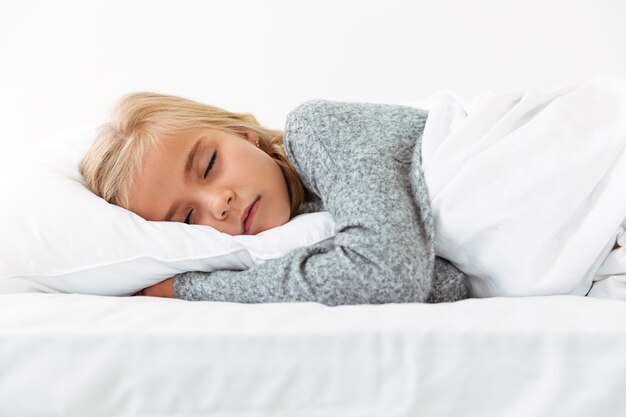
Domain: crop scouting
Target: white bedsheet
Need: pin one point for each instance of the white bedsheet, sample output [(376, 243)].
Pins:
[(82, 355), (528, 189)]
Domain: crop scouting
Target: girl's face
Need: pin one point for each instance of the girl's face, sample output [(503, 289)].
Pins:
[(214, 178)]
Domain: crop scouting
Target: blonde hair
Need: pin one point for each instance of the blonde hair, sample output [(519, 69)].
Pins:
[(140, 120)]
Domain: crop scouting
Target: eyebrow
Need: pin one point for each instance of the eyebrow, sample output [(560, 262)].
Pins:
[(188, 165)]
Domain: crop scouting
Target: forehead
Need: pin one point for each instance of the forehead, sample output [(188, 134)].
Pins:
[(169, 154), (160, 173)]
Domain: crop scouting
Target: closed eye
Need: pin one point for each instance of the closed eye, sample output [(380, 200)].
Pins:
[(208, 168), (210, 164)]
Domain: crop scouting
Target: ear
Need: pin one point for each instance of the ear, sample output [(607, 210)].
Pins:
[(251, 137)]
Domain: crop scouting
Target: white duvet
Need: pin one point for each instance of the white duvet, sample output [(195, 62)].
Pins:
[(529, 188)]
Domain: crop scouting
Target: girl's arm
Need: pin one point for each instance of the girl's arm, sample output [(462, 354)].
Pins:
[(358, 158)]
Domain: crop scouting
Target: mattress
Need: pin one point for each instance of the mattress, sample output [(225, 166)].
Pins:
[(85, 355)]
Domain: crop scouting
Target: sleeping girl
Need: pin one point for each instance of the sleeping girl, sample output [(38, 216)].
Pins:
[(167, 158), (523, 189)]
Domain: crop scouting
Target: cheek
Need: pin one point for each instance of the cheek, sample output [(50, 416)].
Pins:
[(250, 163), (275, 184), (276, 214)]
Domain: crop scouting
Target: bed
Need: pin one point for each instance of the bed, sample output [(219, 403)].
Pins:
[(72, 343), (86, 355)]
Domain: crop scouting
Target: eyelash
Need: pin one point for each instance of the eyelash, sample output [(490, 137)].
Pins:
[(211, 163)]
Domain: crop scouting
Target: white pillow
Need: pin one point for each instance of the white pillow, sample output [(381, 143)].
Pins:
[(57, 236)]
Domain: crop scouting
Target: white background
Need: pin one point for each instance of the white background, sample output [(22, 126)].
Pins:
[(64, 63)]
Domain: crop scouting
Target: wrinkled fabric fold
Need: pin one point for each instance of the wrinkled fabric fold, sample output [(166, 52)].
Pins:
[(527, 188)]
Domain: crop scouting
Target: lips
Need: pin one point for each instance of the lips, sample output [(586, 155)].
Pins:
[(247, 216)]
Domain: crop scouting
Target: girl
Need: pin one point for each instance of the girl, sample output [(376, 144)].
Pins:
[(167, 158)]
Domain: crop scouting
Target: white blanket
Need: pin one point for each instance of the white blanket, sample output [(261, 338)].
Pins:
[(529, 188)]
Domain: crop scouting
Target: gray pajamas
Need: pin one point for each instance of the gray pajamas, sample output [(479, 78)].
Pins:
[(361, 163)]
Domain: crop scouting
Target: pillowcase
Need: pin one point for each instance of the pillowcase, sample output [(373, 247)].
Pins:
[(57, 236)]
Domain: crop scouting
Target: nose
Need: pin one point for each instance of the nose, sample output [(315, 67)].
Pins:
[(215, 205)]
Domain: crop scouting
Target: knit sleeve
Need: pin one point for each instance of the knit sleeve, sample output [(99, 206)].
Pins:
[(356, 158)]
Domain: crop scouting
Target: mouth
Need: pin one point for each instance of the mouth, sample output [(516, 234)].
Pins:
[(248, 215)]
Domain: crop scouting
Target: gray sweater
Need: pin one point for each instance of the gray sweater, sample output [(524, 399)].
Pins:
[(361, 163)]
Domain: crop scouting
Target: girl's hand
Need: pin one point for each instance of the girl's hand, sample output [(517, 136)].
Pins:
[(162, 289)]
